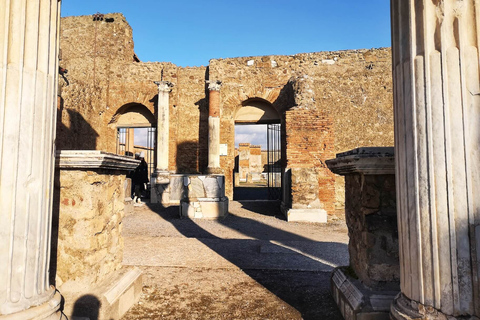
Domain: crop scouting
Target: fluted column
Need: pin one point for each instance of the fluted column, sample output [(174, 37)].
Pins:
[(214, 126), (437, 140), (28, 86), (163, 126)]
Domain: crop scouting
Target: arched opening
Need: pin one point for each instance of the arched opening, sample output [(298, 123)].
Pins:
[(258, 169), (135, 126)]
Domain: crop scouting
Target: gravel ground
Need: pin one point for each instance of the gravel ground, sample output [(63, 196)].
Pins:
[(251, 265)]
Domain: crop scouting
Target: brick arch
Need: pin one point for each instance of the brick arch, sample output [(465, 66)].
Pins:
[(258, 92), (133, 107), (256, 110)]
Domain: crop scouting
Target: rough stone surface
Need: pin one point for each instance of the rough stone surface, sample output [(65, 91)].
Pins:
[(371, 218), (90, 245), (352, 89)]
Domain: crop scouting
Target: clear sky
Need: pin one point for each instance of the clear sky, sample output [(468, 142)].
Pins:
[(191, 32)]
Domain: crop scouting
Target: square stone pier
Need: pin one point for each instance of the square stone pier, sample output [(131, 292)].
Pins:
[(366, 289), (89, 206)]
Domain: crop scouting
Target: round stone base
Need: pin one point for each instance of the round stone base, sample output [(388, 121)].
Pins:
[(50, 310), (403, 308)]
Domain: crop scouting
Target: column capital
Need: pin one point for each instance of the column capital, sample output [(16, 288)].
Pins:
[(214, 85), (164, 86)]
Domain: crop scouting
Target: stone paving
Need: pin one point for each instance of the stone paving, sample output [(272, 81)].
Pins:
[(283, 268)]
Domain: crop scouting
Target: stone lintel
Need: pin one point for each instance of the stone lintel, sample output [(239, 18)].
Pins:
[(164, 86), (214, 85), (92, 159), (367, 160)]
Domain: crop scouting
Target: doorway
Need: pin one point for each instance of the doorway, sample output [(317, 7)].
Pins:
[(258, 163)]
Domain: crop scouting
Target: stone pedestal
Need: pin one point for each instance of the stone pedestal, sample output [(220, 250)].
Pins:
[(90, 205), (203, 197), (437, 135), (214, 127), (370, 210), (28, 90)]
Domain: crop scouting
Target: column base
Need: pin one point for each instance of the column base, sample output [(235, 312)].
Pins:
[(403, 308), (50, 310), (204, 208), (304, 215), (356, 301)]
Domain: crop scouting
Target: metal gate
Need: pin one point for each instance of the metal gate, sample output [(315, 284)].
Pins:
[(127, 145), (274, 161)]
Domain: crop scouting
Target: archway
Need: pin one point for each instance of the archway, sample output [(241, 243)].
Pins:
[(258, 169), (135, 126)]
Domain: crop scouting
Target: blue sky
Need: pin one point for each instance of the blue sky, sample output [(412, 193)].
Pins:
[(190, 33)]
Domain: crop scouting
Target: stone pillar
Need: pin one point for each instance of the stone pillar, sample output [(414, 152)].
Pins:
[(437, 139), (28, 91), (163, 126), (214, 127)]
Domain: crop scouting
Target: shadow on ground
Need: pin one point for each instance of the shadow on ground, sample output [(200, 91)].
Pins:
[(294, 268)]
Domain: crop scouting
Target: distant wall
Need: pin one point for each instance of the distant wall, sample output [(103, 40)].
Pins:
[(353, 89)]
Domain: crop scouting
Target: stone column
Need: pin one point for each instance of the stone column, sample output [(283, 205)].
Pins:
[(437, 140), (214, 127), (28, 90), (163, 126)]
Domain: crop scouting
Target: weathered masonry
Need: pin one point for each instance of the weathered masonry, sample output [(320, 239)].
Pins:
[(437, 85), (324, 103)]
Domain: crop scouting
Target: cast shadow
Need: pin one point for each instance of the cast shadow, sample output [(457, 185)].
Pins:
[(79, 136), (87, 306), (273, 257)]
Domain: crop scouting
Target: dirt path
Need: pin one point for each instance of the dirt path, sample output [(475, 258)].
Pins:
[(251, 265)]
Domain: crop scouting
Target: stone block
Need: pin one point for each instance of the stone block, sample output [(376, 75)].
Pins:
[(358, 302), (214, 186), (176, 188), (107, 300), (307, 215), (214, 209)]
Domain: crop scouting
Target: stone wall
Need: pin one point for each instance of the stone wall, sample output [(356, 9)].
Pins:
[(371, 217), (90, 245), (354, 88)]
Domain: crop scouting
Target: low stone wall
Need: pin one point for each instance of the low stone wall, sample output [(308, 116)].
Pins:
[(89, 206)]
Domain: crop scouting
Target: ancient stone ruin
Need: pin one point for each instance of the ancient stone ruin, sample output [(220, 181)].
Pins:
[(325, 103)]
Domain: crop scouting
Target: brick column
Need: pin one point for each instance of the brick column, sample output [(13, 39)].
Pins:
[(214, 127), (163, 122), (437, 140), (28, 98)]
